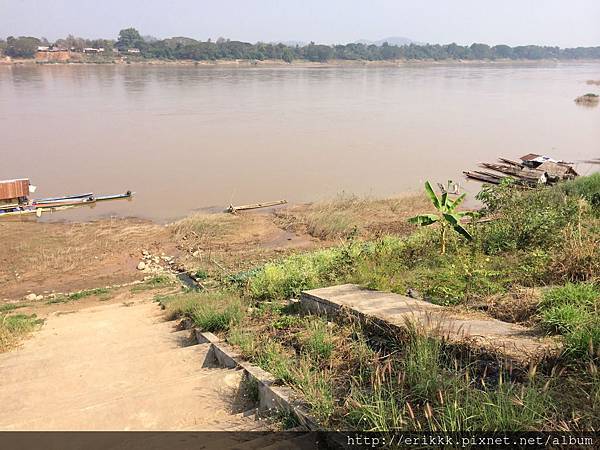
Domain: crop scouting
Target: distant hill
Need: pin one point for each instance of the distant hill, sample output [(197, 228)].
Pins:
[(393, 40)]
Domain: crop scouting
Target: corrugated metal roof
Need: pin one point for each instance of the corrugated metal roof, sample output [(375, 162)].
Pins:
[(529, 157)]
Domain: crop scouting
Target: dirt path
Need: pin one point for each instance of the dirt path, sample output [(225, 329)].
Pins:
[(117, 366)]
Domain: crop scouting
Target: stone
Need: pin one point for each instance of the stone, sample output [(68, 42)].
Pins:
[(141, 265), (31, 297), (39, 297)]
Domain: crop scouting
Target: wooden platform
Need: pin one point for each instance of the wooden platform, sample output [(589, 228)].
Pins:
[(517, 344)]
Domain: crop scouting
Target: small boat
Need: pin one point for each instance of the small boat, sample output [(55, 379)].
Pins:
[(66, 197), (125, 195), (71, 202), (14, 199)]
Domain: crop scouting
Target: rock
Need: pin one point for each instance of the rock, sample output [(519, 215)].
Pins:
[(39, 297), (31, 297), (145, 253), (141, 265)]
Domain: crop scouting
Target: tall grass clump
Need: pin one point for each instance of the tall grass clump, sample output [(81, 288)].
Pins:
[(209, 311), (572, 310), (318, 340), (421, 390), (290, 276), (14, 327), (587, 188)]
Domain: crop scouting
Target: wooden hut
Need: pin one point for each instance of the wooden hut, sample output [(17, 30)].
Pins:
[(13, 193)]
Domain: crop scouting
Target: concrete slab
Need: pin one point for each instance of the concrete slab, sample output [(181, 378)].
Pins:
[(513, 342)]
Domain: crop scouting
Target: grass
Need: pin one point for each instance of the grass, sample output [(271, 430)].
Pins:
[(587, 188), (318, 340), (533, 239), (204, 225), (103, 294), (209, 311), (349, 215), (156, 282), (420, 391), (15, 327), (7, 307), (572, 310)]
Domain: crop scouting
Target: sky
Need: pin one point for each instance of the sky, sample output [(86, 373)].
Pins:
[(566, 23)]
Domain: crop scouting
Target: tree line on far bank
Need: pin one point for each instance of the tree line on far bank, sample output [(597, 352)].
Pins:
[(187, 48)]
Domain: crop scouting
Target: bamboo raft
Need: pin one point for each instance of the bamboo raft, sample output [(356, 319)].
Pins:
[(233, 209), (532, 170)]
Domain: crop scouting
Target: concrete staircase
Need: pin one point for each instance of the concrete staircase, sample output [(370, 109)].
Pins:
[(119, 367)]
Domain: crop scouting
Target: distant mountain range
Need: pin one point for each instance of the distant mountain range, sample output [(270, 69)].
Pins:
[(393, 40)]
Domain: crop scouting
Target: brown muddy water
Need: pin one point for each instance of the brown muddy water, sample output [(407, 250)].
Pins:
[(187, 138)]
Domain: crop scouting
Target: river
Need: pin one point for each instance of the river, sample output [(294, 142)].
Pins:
[(187, 138)]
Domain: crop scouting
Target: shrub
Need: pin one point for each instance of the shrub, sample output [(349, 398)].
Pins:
[(528, 220), (587, 188)]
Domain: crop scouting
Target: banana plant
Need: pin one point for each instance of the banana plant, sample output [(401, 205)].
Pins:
[(447, 218)]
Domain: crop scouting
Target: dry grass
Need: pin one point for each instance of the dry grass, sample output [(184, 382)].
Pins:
[(579, 257), (518, 306), (348, 215), (205, 226), (15, 327), (63, 257)]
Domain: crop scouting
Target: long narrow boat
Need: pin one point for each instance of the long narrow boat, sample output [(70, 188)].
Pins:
[(72, 202), (37, 207), (125, 195), (66, 197)]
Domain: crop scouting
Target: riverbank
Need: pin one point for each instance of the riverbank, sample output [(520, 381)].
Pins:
[(44, 258), (532, 262), (276, 63)]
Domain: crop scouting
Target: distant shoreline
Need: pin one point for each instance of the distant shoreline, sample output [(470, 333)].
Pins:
[(245, 63)]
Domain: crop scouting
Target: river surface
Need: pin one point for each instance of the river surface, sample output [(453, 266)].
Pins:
[(187, 138)]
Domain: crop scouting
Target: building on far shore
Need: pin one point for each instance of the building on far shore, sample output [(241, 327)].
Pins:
[(93, 50), (133, 50), (51, 54)]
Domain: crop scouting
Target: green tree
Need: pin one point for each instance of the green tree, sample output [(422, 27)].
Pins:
[(21, 47), (129, 38), (448, 216)]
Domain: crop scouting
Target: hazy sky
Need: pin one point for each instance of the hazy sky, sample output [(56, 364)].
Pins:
[(566, 23)]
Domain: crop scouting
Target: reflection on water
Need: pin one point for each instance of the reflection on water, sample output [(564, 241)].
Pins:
[(185, 137)]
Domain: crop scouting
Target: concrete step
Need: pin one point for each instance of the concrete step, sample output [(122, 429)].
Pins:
[(150, 406), (518, 344), (144, 340), (183, 360), (112, 367)]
